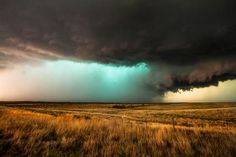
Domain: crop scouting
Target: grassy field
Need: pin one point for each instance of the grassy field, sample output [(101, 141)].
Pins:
[(40, 129)]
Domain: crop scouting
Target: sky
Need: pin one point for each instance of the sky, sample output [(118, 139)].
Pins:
[(118, 51)]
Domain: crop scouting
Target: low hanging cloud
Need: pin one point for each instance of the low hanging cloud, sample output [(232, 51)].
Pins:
[(187, 44), (69, 81)]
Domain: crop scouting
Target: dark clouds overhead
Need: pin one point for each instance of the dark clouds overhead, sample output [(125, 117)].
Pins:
[(189, 43)]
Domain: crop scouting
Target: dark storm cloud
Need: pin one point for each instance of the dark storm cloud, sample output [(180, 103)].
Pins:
[(197, 76), (185, 38)]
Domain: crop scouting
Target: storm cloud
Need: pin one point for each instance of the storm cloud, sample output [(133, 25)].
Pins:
[(187, 44)]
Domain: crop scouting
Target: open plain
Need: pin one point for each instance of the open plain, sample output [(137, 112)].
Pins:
[(69, 129)]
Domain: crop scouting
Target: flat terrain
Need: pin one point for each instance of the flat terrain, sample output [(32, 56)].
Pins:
[(179, 129)]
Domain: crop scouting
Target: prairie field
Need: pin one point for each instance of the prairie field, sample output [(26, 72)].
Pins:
[(136, 130)]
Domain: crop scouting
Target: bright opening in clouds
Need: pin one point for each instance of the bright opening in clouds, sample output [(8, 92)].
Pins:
[(225, 92)]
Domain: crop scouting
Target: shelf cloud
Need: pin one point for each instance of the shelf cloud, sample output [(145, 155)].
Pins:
[(186, 44)]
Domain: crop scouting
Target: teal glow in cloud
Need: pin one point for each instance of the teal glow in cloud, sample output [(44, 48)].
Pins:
[(76, 81)]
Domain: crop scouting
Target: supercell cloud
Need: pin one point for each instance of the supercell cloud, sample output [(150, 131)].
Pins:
[(186, 44)]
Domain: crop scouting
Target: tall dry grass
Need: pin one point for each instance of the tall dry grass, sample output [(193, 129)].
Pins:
[(25, 133)]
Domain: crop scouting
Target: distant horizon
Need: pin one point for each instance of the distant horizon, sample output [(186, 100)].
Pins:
[(78, 102)]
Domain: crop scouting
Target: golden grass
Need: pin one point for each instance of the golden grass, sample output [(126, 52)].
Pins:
[(27, 133)]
